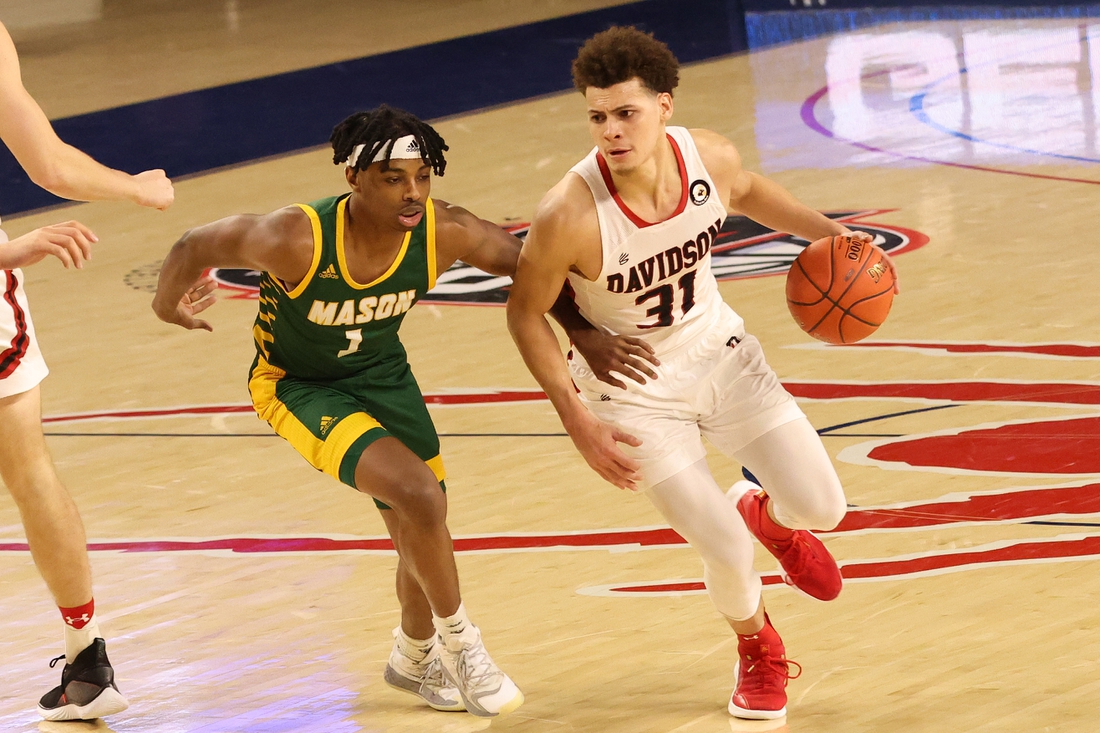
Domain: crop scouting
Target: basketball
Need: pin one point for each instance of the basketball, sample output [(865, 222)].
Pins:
[(839, 290)]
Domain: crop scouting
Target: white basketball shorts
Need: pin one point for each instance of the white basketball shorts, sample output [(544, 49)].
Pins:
[(720, 387), (21, 363)]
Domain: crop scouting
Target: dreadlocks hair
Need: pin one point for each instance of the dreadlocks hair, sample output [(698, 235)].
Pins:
[(623, 53), (380, 128)]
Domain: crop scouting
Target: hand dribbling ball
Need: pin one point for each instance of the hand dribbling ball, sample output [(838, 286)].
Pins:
[(839, 289)]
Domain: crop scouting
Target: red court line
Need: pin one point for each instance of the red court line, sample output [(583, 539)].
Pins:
[(1063, 393), (1080, 351), (933, 563), (1067, 393)]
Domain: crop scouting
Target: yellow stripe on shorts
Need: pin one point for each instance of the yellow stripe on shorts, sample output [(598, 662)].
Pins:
[(436, 464), (324, 455)]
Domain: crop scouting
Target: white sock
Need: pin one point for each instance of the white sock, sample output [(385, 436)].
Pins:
[(416, 650), (456, 630), (77, 640)]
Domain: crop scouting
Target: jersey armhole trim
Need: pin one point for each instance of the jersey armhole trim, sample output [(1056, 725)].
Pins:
[(433, 263), (315, 224), (340, 208)]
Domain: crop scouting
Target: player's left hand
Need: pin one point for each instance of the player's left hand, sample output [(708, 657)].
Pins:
[(198, 298), (606, 353), (867, 238)]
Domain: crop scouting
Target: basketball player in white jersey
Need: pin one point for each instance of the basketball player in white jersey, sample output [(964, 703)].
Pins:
[(54, 530), (631, 227)]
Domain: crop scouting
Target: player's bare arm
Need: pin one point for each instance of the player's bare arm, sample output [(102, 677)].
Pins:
[(764, 200), (462, 236), (564, 237), (280, 243), (56, 166)]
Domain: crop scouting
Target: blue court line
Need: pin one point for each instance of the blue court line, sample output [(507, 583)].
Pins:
[(916, 107), (246, 121), (841, 426)]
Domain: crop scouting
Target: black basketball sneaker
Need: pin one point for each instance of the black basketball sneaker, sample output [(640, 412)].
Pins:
[(87, 690)]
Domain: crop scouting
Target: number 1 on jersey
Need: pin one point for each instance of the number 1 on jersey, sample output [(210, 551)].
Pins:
[(664, 295), (355, 337)]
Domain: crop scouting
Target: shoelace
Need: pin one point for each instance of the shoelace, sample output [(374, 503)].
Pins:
[(55, 660), (434, 676), (769, 669), (475, 666)]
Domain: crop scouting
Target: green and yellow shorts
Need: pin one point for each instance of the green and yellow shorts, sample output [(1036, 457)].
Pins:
[(332, 422)]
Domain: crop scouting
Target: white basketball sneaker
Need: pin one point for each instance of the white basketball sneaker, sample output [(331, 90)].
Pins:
[(486, 690), (425, 679)]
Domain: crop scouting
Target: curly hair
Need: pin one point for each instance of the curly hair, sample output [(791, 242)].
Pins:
[(381, 127), (623, 53)]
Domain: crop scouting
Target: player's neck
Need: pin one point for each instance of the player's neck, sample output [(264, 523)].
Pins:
[(653, 189), (365, 233)]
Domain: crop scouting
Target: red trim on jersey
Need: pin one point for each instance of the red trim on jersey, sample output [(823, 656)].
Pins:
[(10, 359), (637, 220)]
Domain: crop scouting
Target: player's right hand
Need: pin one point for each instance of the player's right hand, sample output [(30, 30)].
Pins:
[(70, 242), (154, 190), (599, 442), (198, 298), (607, 353)]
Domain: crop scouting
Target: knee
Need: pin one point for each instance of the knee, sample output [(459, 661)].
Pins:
[(824, 512), (415, 496), (831, 515)]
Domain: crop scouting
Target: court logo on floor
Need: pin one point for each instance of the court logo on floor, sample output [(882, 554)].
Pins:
[(742, 249)]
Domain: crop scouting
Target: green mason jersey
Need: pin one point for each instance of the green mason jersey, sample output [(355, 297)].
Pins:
[(331, 327)]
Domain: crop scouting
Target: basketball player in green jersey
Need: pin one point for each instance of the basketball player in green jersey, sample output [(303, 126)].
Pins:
[(331, 375)]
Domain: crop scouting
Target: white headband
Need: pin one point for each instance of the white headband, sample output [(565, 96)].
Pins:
[(404, 148)]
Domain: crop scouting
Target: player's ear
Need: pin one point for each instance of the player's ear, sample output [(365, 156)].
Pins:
[(352, 175), (664, 105)]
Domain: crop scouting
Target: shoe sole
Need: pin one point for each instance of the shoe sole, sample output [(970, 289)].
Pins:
[(505, 709), (458, 707), (742, 713), (108, 702)]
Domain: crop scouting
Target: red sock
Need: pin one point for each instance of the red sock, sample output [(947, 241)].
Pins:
[(768, 526), (79, 616)]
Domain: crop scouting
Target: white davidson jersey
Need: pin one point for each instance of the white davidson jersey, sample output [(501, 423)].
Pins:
[(656, 282)]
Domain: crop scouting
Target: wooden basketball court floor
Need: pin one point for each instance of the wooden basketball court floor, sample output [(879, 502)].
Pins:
[(243, 592)]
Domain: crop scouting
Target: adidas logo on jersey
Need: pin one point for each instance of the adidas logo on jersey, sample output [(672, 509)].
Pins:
[(329, 273), (326, 423)]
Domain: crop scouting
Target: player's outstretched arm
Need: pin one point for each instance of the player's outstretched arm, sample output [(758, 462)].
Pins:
[(280, 243), (56, 166), (548, 253), (461, 235), (764, 200)]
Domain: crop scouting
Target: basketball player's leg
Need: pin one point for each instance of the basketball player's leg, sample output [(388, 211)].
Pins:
[(804, 493), (54, 530), (391, 473), (415, 664), (483, 688), (697, 508), (757, 422), (56, 538)]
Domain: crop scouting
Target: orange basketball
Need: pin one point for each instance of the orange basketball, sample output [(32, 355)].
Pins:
[(839, 290)]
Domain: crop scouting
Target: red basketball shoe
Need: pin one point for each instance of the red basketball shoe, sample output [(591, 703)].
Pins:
[(761, 673), (805, 560)]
